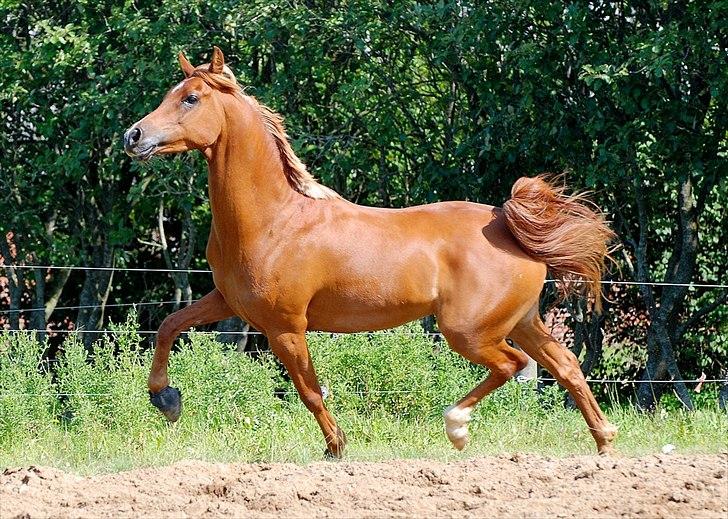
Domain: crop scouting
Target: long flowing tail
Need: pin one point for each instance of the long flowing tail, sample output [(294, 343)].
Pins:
[(566, 232)]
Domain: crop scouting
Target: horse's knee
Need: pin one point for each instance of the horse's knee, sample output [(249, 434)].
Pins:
[(510, 364), (520, 359), (313, 401), (503, 371)]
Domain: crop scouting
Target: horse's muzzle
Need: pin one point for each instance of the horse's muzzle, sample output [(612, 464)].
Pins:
[(135, 147), (131, 138)]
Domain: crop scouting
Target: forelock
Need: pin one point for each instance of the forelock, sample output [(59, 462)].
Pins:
[(222, 82)]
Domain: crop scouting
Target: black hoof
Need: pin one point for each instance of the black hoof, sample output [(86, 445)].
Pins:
[(169, 402)]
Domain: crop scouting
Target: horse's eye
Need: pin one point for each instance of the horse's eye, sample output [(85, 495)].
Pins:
[(190, 99)]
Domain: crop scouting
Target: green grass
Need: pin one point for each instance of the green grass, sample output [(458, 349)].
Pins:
[(387, 393)]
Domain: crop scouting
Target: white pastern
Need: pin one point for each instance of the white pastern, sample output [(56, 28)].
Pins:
[(456, 425)]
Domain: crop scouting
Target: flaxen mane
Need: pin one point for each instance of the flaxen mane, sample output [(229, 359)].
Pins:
[(296, 173)]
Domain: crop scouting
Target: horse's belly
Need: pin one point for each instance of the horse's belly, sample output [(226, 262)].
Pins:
[(337, 313), (375, 285)]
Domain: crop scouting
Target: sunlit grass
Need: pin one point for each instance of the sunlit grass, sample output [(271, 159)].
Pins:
[(294, 437), (387, 393)]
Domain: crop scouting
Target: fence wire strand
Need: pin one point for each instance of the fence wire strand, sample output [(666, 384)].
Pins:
[(382, 391), (108, 305), (698, 284)]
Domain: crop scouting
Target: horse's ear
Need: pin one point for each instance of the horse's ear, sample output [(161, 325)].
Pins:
[(217, 62), (185, 64)]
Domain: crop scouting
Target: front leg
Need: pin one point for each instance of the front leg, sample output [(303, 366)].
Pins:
[(292, 350), (209, 309)]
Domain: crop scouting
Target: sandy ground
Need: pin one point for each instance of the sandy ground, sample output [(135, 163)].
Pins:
[(508, 485)]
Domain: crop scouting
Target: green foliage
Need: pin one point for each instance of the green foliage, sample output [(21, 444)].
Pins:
[(28, 405), (223, 388), (104, 390), (91, 412), (390, 103), (402, 373), (107, 389), (621, 361)]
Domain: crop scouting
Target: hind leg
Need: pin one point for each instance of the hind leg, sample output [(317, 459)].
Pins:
[(531, 335), (503, 362)]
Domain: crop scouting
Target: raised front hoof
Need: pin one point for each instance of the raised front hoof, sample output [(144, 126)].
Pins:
[(168, 401)]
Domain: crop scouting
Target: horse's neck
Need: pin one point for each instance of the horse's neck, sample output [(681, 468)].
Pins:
[(247, 187)]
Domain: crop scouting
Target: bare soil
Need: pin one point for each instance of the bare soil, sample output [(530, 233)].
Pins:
[(509, 485)]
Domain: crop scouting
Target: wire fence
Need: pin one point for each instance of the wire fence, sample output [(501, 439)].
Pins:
[(215, 332), (701, 284), (276, 392), (107, 305), (522, 379), (697, 284), (519, 378), (327, 393), (114, 269)]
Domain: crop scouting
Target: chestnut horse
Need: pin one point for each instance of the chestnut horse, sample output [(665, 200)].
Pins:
[(290, 255)]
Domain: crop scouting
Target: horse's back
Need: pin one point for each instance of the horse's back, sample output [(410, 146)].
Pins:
[(459, 230)]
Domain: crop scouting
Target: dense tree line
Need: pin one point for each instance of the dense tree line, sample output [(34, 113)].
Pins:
[(391, 104)]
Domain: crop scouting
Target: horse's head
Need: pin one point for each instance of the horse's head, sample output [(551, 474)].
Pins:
[(190, 115)]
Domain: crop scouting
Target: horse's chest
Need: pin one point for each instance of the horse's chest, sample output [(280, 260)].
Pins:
[(258, 284), (250, 297)]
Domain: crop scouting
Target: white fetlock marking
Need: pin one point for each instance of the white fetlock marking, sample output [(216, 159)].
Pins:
[(456, 425)]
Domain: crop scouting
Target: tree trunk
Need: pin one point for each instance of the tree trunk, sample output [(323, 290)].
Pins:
[(233, 324), (429, 325), (723, 392), (664, 332), (95, 293), (16, 282), (54, 290), (248, 342), (38, 318), (182, 289)]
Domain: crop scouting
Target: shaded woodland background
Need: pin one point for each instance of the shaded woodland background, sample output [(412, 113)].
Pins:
[(391, 104)]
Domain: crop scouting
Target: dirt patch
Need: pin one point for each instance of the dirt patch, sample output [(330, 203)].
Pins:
[(509, 485)]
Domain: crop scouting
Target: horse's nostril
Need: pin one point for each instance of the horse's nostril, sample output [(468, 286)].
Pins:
[(134, 135), (131, 139)]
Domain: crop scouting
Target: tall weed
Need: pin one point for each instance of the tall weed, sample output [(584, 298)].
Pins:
[(91, 411), (28, 401)]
